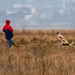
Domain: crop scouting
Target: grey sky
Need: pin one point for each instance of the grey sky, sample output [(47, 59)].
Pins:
[(38, 13)]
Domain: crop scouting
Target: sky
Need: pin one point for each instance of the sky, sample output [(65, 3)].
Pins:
[(38, 14)]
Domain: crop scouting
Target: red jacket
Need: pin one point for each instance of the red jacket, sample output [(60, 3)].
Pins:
[(7, 26), (8, 30)]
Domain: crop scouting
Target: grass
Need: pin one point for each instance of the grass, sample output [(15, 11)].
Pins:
[(37, 53)]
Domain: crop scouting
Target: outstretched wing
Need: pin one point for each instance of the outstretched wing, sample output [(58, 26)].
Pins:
[(63, 40)]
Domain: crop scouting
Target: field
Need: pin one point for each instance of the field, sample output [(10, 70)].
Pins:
[(37, 52)]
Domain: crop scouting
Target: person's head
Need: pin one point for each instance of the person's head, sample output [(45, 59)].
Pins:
[(7, 22)]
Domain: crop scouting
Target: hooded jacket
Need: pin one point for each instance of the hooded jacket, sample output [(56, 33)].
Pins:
[(8, 30)]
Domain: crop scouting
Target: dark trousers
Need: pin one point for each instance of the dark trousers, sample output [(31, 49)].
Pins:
[(9, 43)]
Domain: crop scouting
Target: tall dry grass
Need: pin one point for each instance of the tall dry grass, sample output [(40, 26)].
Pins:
[(37, 53)]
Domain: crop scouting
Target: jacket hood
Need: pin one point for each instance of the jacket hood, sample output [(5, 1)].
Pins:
[(7, 22)]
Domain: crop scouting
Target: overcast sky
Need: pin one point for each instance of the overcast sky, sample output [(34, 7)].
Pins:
[(49, 14)]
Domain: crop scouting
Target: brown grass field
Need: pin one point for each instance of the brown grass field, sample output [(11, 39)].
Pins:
[(37, 52)]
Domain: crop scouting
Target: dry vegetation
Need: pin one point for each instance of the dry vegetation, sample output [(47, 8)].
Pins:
[(37, 53)]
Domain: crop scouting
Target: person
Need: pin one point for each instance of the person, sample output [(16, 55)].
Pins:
[(8, 30)]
